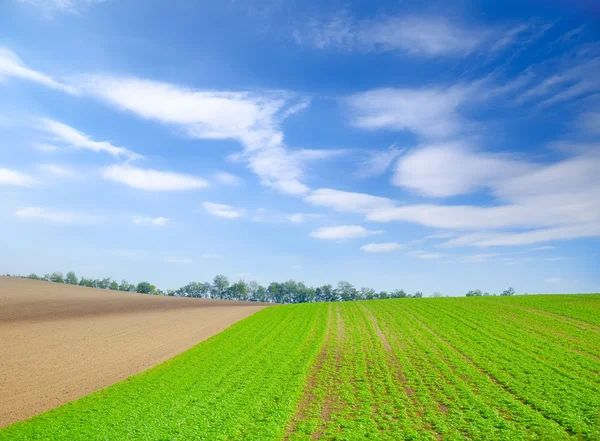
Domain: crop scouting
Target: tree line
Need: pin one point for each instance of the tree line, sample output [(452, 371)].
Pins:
[(276, 292)]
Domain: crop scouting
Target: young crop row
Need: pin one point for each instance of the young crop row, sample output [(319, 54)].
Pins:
[(548, 381), (454, 369), (241, 384)]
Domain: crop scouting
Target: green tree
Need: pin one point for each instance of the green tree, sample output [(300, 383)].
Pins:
[(145, 288), (126, 286), (86, 282), (57, 277), (71, 278), (114, 285), (276, 292), (474, 293), (219, 287), (238, 291), (368, 293), (417, 295), (508, 292), (398, 294), (346, 291)]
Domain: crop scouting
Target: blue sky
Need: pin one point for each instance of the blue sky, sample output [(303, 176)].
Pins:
[(438, 146)]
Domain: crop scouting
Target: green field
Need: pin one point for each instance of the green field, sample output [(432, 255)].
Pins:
[(485, 368)]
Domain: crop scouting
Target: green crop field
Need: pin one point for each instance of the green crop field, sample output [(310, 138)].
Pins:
[(485, 368)]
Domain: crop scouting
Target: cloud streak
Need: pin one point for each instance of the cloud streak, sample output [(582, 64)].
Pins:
[(222, 210), (152, 180), (15, 178), (342, 232)]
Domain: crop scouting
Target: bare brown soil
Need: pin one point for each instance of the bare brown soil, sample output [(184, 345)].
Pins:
[(61, 342)]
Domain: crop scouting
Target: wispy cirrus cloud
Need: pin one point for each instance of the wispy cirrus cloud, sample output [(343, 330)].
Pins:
[(48, 8), (15, 178), (152, 180), (222, 210), (68, 136), (251, 118), (376, 163), (536, 202), (346, 201), (412, 34), (228, 179), (420, 254), (454, 168), (386, 247), (299, 218), (55, 216), (12, 66), (151, 221), (342, 232), (432, 112), (59, 171)]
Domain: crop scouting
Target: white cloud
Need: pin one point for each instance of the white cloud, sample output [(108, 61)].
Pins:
[(381, 247), (420, 254), (537, 214), (67, 135), (45, 147), (477, 258), (528, 237), (225, 178), (252, 119), (12, 177), (152, 180), (12, 67), (49, 7), (556, 201), (342, 232), (183, 260), (431, 112), (589, 122), (454, 168), (152, 221), (58, 171), (574, 76), (378, 162), (222, 210), (417, 35), (298, 218), (554, 281), (423, 35), (346, 201), (55, 216), (543, 248)]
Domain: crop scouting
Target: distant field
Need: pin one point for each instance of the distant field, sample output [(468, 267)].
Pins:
[(60, 342), (515, 368)]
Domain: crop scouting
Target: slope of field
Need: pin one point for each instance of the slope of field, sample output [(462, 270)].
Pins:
[(522, 368), (61, 342)]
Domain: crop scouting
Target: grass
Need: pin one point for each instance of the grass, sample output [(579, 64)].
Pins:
[(521, 368)]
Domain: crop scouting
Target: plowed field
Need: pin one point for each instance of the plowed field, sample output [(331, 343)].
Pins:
[(60, 342)]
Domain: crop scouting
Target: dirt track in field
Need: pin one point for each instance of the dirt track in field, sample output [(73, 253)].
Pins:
[(61, 342)]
